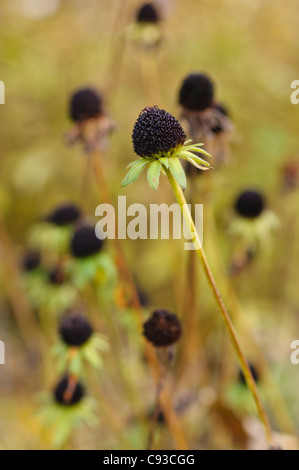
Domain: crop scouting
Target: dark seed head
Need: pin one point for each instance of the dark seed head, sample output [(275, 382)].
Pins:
[(66, 394), (250, 204), (197, 92), (56, 276), (65, 214), (75, 329), (156, 131), (85, 104), (254, 372), (85, 242), (31, 261), (163, 328), (147, 14)]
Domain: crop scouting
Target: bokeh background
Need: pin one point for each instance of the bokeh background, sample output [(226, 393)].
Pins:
[(48, 49)]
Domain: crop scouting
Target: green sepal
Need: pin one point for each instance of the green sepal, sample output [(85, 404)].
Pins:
[(153, 174), (134, 172), (177, 171)]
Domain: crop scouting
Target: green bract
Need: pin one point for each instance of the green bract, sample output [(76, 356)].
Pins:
[(170, 161)]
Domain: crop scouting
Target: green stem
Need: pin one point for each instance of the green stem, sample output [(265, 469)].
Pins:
[(224, 313)]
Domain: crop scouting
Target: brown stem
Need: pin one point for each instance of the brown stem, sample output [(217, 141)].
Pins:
[(15, 291)]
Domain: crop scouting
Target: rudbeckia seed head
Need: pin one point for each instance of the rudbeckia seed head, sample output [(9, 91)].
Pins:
[(31, 261), (85, 104), (61, 392), (65, 214), (147, 14), (250, 204), (197, 92), (85, 242), (156, 132), (75, 329), (163, 328)]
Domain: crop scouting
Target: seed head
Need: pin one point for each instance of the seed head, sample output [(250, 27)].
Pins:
[(156, 131), (75, 329), (65, 214), (85, 242), (147, 14), (250, 204), (61, 392), (163, 328), (197, 92), (85, 104), (31, 261)]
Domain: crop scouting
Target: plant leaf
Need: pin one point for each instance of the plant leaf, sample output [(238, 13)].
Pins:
[(153, 174), (134, 172), (192, 148), (133, 162), (194, 159), (177, 171), (200, 161)]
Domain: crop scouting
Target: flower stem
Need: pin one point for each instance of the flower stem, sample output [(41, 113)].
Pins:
[(224, 313)]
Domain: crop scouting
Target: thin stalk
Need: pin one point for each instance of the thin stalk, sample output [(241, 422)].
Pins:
[(224, 313), (159, 389), (127, 278), (275, 400), (13, 285)]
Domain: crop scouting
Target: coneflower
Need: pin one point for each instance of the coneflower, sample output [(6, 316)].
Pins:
[(65, 214), (160, 141), (156, 132), (147, 13), (85, 103), (31, 261), (163, 328), (196, 92), (169, 150), (66, 394), (85, 242), (91, 123), (75, 329), (250, 204)]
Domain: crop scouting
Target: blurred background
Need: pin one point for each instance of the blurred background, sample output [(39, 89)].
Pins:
[(49, 49)]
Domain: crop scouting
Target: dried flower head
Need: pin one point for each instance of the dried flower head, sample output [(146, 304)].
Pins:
[(31, 261), (147, 14), (85, 242), (159, 140), (197, 92), (156, 132), (85, 103), (75, 329), (65, 214), (163, 328), (66, 393), (250, 204)]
